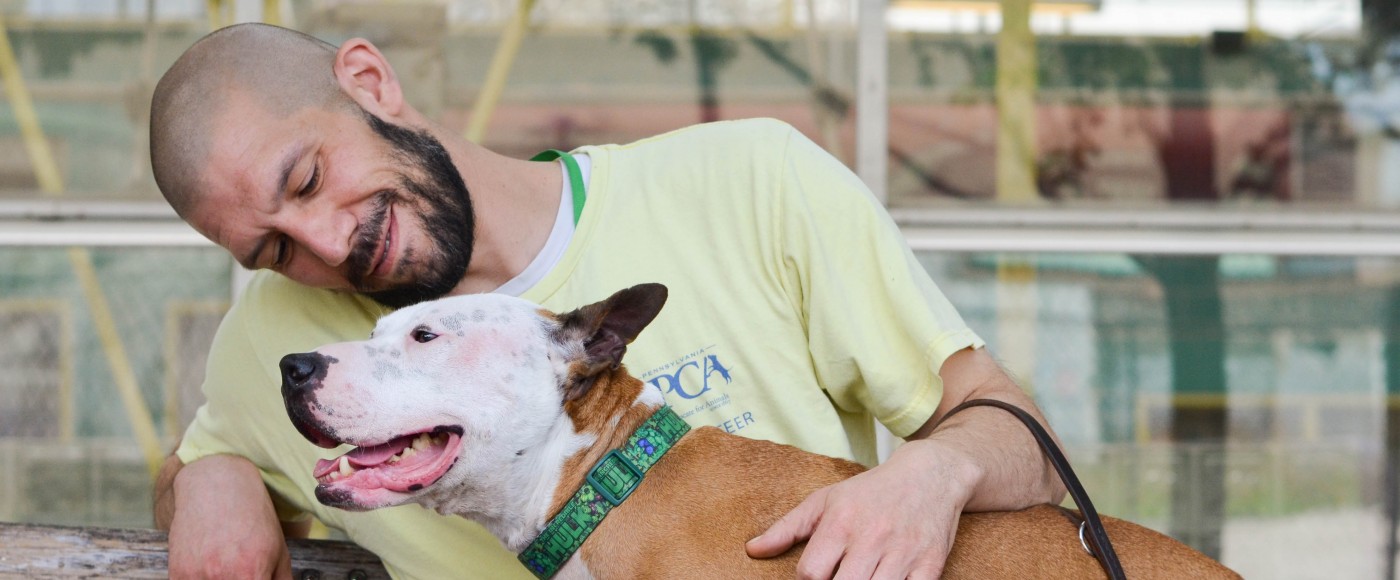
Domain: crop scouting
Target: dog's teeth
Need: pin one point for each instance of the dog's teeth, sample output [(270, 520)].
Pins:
[(345, 468), (407, 452), (421, 442)]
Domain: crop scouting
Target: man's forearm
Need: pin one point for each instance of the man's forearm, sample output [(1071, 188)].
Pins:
[(231, 472), (163, 497), (1005, 467)]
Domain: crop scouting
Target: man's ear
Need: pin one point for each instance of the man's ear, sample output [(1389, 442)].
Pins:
[(606, 328), (365, 75)]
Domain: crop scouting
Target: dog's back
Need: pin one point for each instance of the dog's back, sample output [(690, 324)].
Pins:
[(695, 511)]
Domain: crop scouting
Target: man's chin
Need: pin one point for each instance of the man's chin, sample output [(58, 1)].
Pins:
[(399, 297), (409, 294)]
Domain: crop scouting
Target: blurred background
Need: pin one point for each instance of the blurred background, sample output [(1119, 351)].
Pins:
[(1177, 222)]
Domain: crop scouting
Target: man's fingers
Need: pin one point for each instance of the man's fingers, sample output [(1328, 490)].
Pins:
[(794, 527), (819, 562), (853, 565), (906, 563)]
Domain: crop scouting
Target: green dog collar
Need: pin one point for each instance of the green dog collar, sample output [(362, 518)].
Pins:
[(608, 483)]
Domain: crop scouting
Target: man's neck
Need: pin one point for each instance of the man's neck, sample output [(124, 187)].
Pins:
[(514, 202)]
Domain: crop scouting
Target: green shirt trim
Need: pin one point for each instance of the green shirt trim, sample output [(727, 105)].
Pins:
[(575, 176)]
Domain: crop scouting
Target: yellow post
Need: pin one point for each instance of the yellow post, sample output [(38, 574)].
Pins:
[(499, 70), (1251, 19), (1017, 299), (1018, 308), (142, 426), (40, 156), (215, 8), (51, 182), (272, 12), (1015, 94), (67, 419)]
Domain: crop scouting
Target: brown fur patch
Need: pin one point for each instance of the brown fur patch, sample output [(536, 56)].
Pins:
[(696, 508), (597, 413)]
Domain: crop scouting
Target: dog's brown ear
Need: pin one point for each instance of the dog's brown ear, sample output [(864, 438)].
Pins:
[(606, 328)]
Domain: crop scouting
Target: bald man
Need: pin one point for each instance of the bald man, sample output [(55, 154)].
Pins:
[(795, 305)]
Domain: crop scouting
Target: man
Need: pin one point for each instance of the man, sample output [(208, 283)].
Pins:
[(796, 310)]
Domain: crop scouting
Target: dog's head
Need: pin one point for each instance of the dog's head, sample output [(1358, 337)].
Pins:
[(453, 397)]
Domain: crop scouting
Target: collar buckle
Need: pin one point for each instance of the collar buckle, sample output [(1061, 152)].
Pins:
[(615, 477)]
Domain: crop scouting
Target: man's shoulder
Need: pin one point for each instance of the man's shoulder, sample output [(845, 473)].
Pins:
[(723, 135)]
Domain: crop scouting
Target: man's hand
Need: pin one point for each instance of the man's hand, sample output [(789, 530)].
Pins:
[(899, 519), (895, 521), (221, 520)]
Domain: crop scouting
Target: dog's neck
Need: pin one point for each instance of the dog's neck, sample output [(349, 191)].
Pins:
[(591, 425)]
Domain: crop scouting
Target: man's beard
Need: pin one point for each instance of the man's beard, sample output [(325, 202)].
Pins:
[(432, 185)]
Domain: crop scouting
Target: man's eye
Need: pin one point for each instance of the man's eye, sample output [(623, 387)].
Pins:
[(279, 256), (423, 335), (313, 182)]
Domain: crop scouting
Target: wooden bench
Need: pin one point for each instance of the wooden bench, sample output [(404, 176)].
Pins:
[(34, 551)]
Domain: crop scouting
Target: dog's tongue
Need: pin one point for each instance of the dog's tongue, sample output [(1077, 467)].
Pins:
[(366, 456), (363, 456)]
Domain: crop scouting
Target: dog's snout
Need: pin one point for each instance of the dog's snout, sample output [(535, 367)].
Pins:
[(303, 370)]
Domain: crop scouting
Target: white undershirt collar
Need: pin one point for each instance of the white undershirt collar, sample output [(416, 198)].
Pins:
[(559, 237)]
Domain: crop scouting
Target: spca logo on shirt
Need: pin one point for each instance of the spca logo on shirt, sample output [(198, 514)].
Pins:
[(691, 375)]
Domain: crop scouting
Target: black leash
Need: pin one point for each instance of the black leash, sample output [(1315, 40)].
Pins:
[(1098, 537)]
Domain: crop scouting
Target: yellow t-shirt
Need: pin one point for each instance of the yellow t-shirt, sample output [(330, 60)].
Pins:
[(796, 312)]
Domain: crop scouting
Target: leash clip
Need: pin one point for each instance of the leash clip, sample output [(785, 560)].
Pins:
[(1084, 542)]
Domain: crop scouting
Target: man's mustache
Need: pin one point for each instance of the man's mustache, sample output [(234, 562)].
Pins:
[(367, 242)]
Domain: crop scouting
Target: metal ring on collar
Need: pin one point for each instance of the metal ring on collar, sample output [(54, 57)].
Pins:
[(1084, 542)]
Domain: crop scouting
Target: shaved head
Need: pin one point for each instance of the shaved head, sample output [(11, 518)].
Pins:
[(279, 70)]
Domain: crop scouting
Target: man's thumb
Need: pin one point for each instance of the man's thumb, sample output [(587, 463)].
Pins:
[(794, 527)]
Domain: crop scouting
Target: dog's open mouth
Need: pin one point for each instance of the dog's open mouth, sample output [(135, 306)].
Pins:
[(404, 464)]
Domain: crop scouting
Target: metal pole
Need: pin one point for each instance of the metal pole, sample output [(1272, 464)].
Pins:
[(828, 121), (872, 98)]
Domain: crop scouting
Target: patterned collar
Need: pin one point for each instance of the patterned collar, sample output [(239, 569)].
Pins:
[(611, 480)]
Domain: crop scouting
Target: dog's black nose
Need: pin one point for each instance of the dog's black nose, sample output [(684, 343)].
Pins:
[(302, 370)]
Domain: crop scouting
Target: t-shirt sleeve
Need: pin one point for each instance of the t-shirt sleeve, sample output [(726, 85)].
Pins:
[(243, 413), (878, 327)]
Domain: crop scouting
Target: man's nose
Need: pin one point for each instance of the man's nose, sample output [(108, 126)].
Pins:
[(330, 236), (303, 371)]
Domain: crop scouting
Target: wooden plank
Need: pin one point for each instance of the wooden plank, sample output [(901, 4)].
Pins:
[(34, 551)]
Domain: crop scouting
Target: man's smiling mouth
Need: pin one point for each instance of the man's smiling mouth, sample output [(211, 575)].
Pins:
[(381, 265)]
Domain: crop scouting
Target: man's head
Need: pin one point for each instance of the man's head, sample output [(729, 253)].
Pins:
[(304, 158)]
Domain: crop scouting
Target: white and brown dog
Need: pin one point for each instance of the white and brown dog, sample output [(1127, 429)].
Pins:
[(491, 408)]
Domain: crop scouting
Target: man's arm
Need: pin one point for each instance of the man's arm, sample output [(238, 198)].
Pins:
[(221, 520), (898, 519)]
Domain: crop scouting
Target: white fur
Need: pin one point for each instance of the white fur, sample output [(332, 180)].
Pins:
[(499, 381), (574, 569)]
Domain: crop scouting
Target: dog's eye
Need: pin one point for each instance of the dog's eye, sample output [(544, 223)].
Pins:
[(422, 334)]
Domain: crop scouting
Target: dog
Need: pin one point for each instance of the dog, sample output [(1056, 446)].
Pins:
[(492, 408)]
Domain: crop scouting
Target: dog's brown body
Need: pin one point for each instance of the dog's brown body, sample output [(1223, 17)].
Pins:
[(507, 407), (693, 499)]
